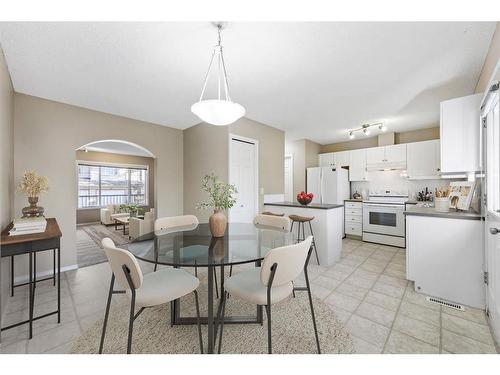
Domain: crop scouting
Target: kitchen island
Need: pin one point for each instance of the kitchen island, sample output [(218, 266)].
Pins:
[(327, 226), (444, 254)]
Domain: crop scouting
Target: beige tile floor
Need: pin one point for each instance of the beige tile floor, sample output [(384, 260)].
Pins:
[(366, 289)]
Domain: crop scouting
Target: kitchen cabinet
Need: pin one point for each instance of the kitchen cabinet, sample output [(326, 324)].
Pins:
[(423, 159), (459, 132), (341, 159), (375, 155), (353, 218), (444, 257), (386, 157), (357, 165), (326, 160)]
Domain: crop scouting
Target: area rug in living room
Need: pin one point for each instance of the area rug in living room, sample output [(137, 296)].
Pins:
[(89, 247), (292, 330)]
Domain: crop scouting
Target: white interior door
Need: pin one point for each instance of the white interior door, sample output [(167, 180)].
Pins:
[(491, 165), (243, 174), (289, 178)]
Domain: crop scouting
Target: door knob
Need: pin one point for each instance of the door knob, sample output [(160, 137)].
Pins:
[(494, 230)]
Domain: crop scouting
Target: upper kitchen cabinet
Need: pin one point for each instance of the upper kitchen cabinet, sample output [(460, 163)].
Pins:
[(357, 165), (375, 155), (386, 157), (423, 159), (459, 127), (342, 159), (326, 160), (334, 159)]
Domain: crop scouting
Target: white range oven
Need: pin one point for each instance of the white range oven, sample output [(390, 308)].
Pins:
[(383, 219)]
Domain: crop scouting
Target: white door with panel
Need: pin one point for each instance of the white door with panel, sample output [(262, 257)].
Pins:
[(491, 165), (289, 178), (243, 174)]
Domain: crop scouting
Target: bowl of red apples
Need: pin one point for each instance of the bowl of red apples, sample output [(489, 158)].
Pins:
[(305, 198)]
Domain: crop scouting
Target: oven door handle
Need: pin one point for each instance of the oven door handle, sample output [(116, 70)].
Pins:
[(396, 206)]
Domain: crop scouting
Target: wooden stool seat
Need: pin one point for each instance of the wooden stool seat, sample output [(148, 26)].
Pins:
[(272, 214), (301, 219)]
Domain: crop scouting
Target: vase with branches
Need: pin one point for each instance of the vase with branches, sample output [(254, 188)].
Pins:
[(221, 197), (33, 185)]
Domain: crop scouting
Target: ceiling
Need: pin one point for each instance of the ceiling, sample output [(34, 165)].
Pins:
[(313, 80)]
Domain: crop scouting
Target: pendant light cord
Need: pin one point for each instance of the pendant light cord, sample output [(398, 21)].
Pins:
[(220, 62)]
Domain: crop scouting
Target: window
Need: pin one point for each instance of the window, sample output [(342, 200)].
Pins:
[(100, 185)]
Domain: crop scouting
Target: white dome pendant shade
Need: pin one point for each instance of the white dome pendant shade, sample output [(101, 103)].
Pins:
[(218, 111)]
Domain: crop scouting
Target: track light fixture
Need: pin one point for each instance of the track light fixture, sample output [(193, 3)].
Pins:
[(365, 128)]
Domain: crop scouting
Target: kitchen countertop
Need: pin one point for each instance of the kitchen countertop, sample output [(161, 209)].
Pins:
[(452, 214), (310, 205)]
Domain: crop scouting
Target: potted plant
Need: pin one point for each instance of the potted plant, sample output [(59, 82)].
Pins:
[(220, 198), (131, 208), (33, 185)]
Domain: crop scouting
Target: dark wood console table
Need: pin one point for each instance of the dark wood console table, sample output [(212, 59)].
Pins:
[(31, 244)]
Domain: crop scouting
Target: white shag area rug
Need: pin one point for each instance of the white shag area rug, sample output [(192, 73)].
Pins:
[(292, 329)]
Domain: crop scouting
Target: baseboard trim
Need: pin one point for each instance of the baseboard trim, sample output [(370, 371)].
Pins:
[(25, 278), (89, 223)]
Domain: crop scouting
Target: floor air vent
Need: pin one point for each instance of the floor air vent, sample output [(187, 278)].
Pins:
[(441, 302)]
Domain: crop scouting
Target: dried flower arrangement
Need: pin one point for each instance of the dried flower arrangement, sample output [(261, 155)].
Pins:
[(32, 185)]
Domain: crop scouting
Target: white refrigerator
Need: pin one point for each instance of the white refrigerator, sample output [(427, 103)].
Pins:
[(329, 186)]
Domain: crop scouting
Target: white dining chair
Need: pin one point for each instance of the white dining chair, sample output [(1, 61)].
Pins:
[(144, 291), (278, 222), (272, 283), (270, 221), (165, 223), (175, 222)]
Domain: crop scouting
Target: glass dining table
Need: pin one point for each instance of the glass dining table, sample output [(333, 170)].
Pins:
[(194, 246)]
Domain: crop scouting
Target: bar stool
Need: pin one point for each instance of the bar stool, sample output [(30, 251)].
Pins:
[(272, 214), (301, 220)]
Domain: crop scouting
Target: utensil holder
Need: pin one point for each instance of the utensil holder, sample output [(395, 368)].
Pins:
[(442, 204)]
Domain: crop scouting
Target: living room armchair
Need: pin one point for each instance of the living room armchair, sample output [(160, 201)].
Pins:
[(139, 227), (109, 213)]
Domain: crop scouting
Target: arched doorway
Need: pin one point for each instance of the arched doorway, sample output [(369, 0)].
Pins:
[(115, 181)]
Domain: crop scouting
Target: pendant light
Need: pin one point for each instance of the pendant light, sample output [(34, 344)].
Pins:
[(218, 111)]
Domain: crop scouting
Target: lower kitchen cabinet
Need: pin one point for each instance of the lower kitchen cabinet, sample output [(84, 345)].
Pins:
[(444, 258), (353, 218)]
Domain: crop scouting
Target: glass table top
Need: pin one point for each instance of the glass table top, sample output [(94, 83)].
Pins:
[(195, 246)]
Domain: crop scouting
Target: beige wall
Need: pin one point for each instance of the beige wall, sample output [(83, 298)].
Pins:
[(46, 136), (206, 151), (490, 62), (403, 137), (88, 215), (6, 167), (305, 155)]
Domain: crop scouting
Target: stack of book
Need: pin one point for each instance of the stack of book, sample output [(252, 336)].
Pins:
[(28, 225)]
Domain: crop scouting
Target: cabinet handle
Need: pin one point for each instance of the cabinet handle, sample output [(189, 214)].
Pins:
[(494, 230)]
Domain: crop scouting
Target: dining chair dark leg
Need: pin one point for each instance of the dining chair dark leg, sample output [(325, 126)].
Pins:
[(198, 319), (311, 302), (106, 315), (132, 308), (224, 298), (269, 344), (314, 243), (268, 307)]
